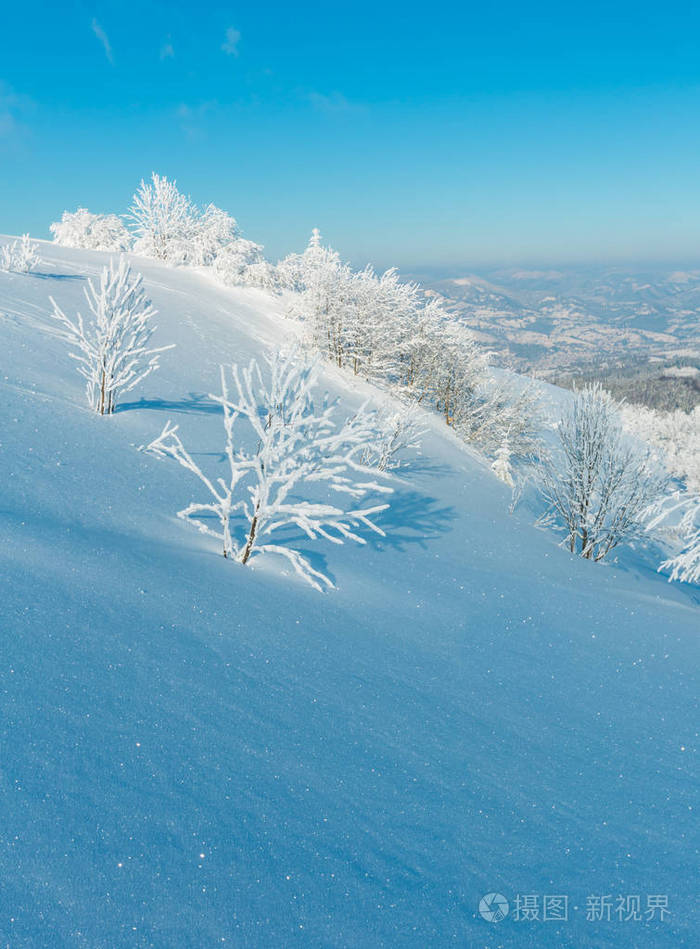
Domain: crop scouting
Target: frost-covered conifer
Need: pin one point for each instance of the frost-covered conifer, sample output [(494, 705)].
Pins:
[(317, 276), (298, 454), (111, 347), (502, 466)]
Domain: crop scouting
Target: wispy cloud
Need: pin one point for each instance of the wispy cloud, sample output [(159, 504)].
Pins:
[(167, 51), (104, 39), (13, 107), (230, 43), (334, 103), (191, 117)]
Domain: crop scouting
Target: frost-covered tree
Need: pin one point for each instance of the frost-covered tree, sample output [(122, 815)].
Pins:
[(461, 367), (421, 351), (676, 434), (679, 514), (676, 517), (498, 407), (91, 231), (357, 320), (320, 280), (241, 264), (213, 231), (384, 310), (392, 333), (294, 270), (165, 221), (171, 228), (262, 274), (599, 484), (20, 256), (299, 450), (111, 347)]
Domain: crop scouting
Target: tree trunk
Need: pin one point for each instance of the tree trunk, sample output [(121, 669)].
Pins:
[(250, 543)]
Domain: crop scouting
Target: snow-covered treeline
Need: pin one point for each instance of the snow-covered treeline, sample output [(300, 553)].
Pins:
[(374, 325), (389, 332), (166, 224)]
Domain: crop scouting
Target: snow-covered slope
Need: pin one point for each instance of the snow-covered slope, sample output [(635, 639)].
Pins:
[(200, 754)]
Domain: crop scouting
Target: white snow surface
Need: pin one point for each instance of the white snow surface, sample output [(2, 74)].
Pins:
[(196, 753)]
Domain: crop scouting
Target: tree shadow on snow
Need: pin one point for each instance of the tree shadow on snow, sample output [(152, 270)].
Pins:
[(57, 276), (422, 464), (413, 518), (196, 403)]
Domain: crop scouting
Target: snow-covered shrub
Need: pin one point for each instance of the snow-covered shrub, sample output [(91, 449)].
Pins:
[(111, 347), (165, 222), (91, 231), (599, 484), (299, 446), (397, 431), (20, 256)]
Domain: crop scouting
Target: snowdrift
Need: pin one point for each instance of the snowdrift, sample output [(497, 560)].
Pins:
[(200, 754)]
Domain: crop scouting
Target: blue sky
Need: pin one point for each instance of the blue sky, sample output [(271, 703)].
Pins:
[(418, 135)]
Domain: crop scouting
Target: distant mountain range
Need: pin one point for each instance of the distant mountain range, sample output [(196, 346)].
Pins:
[(551, 321)]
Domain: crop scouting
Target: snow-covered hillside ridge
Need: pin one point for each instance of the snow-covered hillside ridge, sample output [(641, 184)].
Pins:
[(197, 753)]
